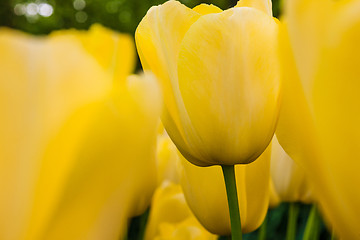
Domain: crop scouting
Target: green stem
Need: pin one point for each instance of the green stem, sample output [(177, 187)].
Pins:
[(333, 237), (312, 225), (292, 220), (262, 230), (231, 191), (142, 223)]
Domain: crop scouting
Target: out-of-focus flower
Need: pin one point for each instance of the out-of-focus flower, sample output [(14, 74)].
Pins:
[(167, 159), (205, 192), (77, 156), (171, 219), (113, 51), (219, 75), (274, 199), (289, 179), (319, 120)]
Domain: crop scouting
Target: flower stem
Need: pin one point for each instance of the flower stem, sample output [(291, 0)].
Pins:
[(333, 237), (292, 220), (262, 230), (312, 225), (231, 191)]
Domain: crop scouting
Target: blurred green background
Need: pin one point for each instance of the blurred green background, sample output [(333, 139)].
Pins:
[(44, 16)]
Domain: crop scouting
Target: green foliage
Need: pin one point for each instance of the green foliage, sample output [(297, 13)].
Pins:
[(277, 220), (276, 228)]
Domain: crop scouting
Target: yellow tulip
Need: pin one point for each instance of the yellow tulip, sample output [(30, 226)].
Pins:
[(167, 159), (77, 158), (289, 179), (219, 75), (205, 193), (170, 217), (274, 199), (113, 51), (319, 119), (189, 229)]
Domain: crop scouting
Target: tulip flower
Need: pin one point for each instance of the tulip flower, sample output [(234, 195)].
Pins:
[(319, 119), (289, 179), (290, 184), (167, 159), (117, 58), (171, 218), (274, 199), (205, 193), (219, 75), (77, 157)]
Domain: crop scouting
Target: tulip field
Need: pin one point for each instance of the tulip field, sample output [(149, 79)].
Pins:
[(179, 120)]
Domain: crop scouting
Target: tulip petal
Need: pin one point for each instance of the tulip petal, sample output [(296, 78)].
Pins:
[(204, 9), (109, 162), (158, 38), (115, 52), (37, 97), (168, 205), (70, 144), (257, 178), (231, 121), (289, 178), (205, 192), (322, 84), (262, 5)]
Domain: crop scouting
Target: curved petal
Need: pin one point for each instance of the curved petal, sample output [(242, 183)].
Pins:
[(41, 87), (204, 9), (231, 92), (257, 181), (158, 38), (205, 192), (167, 160), (322, 85), (262, 5), (274, 199), (115, 52), (289, 179), (168, 205), (112, 185), (67, 138)]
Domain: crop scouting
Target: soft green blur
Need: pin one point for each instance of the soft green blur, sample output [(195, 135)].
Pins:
[(44, 16)]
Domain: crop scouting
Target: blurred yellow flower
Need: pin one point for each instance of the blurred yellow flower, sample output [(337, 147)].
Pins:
[(319, 119), (204, 190), (171, 219), (289, 179), (115, 52), (77, 156), (167, 159), (274, 199), (219, 76)]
